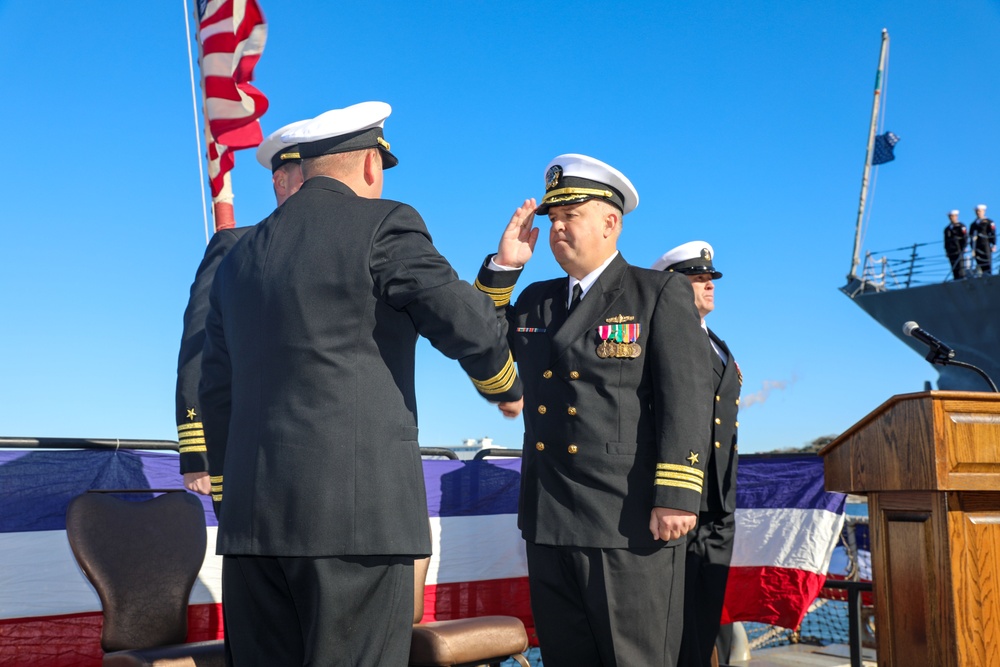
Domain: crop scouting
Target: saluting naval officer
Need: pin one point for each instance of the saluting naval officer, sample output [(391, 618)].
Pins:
[(309, 408), (617, 406), (286, 178), (710, 545)]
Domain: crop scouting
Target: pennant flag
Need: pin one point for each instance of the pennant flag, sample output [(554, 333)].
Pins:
[(231, 37), (884, 144), (787, 526)]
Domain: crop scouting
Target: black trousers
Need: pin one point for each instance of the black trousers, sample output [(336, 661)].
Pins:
[(607, 607), (709, 551), (984, 258), (336, 611), (957, 266)]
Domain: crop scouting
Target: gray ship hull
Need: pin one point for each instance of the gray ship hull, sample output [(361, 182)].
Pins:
[(964, 314)]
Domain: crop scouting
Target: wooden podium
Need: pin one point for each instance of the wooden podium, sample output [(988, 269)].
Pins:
[(930, 465)]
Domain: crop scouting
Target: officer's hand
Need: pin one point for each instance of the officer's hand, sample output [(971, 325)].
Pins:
[(518, 240), (511, 409), (197, 482), (668, 524)]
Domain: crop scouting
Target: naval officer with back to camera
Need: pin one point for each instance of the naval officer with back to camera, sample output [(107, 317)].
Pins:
[(286, 178), (309, 407), (617, 405)]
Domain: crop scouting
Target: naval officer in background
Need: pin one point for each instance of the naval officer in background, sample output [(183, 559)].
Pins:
[(710, 545), (983, 239), (956, 238), (310, 411), (286, 177), (617, 405)]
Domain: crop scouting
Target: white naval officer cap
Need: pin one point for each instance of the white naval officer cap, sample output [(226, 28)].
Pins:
[(273, 152), (573, 178), (691, 258), (980, 207), (352, 128), (953, 211)]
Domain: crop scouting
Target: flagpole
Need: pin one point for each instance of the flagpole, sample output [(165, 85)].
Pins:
[(194, 105), (856, 260)]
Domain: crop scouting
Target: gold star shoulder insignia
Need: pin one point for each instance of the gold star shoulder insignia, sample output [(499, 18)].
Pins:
[(693, 458), (192, 414)]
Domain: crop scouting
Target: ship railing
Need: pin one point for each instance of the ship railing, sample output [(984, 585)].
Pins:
[(910, 266)]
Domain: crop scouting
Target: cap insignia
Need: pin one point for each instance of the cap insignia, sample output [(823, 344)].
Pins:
[(619, 319), (706, 254), (191, 413), (693, 458), (552, 176)]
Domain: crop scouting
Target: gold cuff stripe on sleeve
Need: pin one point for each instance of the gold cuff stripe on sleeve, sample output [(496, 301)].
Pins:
[(562, 194), (680, 485), (217, 497), (500, 295), (500, 382), (680, 468), (188, 427), (215, 479), (193, 439), (681, 477), (217, 487), (190, 449)]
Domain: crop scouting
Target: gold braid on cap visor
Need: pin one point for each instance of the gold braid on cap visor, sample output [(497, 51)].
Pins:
[(564, 194)]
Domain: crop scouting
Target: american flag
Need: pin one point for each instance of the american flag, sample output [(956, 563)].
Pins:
[(231, 35)]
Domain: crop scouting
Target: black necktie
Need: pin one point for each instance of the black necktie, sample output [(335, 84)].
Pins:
[(577, 295)]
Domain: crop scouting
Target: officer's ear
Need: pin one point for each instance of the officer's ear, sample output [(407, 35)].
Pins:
[(373, 166), (612, 220)]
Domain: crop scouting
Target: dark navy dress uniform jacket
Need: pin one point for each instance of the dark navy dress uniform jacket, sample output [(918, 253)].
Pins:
[(608, 439), (190, 431), (308, 375)]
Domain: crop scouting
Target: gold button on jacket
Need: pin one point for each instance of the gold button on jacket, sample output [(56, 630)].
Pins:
[(572, 449)]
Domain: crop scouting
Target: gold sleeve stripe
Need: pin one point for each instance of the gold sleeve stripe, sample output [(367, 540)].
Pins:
[(215, 479), (500, 295), (500, 382), (217, 487), (188, 427), (193, 439), (681, 485), (190, 449), (217, 497), (681, 477), (679, 468)]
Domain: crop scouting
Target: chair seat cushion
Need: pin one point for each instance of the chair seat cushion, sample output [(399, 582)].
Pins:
[(466, 640)]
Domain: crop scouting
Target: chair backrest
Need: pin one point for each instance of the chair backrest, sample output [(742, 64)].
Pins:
[(143, 558)]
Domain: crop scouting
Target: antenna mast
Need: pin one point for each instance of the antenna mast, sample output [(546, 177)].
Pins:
[(856, 260)]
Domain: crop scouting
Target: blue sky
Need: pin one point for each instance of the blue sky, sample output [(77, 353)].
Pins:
[(740, 123)]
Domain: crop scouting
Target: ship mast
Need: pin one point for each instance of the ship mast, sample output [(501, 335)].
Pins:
[(853, 275)]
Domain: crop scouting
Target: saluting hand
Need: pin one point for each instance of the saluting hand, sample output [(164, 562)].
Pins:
[(668, 524), (518, 240)]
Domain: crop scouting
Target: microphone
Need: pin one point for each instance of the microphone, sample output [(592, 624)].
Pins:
[(938, 348)]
